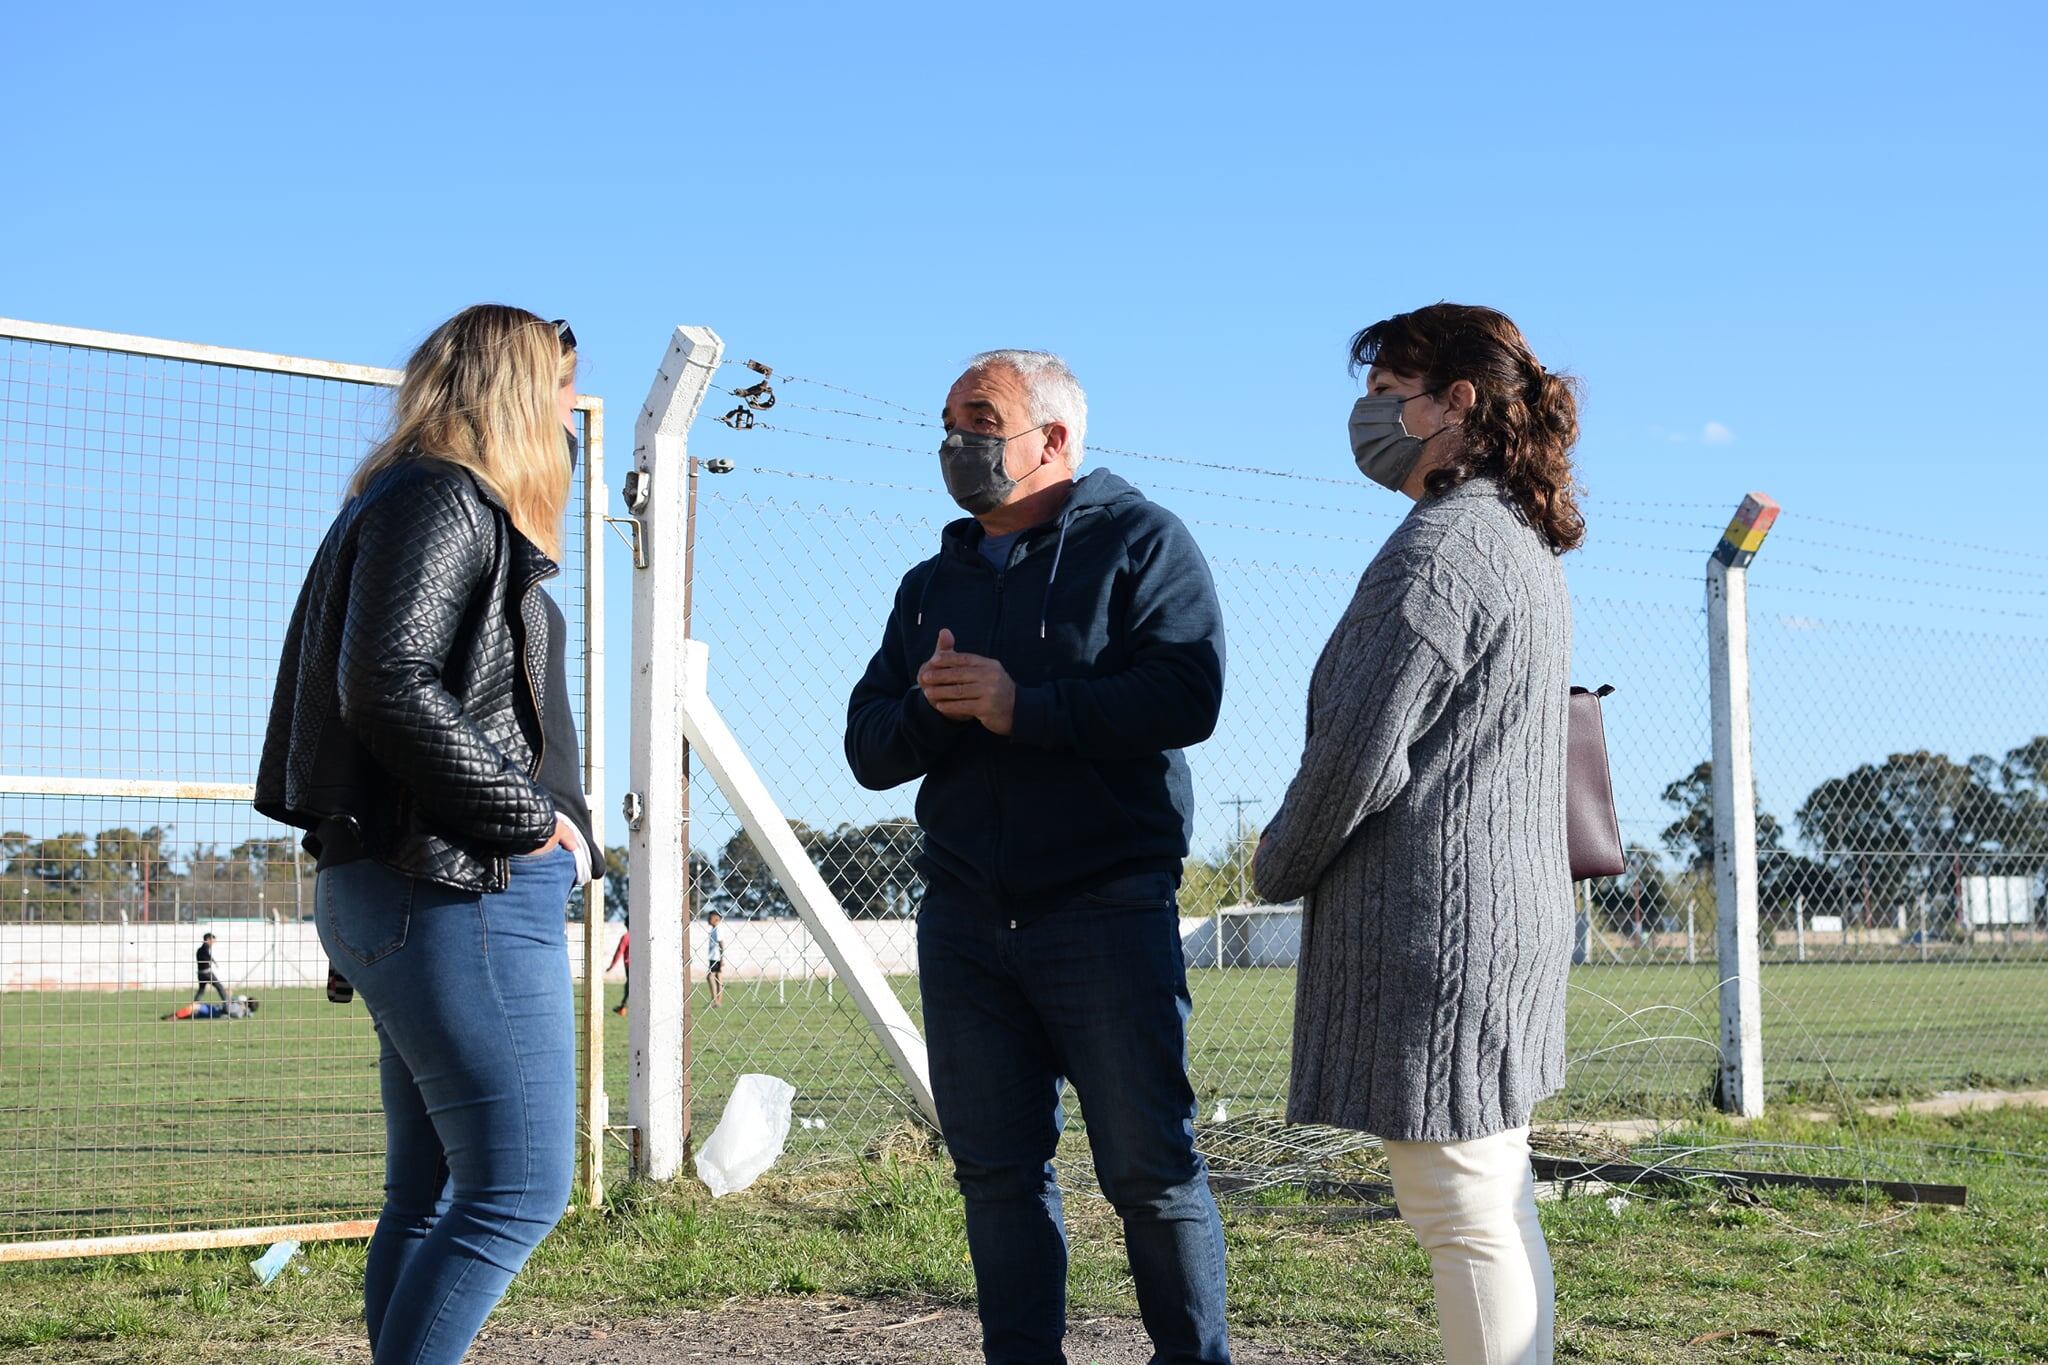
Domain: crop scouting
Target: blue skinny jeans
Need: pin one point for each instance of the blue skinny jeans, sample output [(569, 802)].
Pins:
[(476, 1034)]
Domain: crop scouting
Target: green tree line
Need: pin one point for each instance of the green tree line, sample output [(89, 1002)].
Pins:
[(1873, 846), (1879, 846), (72, 877)]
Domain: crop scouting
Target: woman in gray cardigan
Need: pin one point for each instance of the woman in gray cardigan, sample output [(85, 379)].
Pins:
[(1425, 831)]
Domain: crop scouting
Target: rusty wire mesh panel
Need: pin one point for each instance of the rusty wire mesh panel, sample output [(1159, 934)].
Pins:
[(157, 516)]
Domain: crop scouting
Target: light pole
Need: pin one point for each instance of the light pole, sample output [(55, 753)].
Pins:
[(1240, 870)]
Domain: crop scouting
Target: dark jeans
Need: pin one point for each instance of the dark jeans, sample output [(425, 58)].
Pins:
[(471, 1000), (209, 979), (1094, 992)]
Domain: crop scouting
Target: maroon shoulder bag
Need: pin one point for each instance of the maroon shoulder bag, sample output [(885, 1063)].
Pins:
[(1592, 833)]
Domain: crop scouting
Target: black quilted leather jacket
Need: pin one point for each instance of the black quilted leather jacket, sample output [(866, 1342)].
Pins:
[(410, 691)]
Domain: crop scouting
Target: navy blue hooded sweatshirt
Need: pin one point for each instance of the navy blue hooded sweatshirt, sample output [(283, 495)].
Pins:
[(1107, 621)]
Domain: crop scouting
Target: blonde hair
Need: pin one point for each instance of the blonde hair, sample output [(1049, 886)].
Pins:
[(480, 393)]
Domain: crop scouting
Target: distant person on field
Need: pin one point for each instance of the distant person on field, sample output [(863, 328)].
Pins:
[(1425, 830), (423, 733), (1042, 674), (207, 975), (236, 1007), (714, 959), (623, 953)]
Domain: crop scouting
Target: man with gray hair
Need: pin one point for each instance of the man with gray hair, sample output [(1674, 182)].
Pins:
[(1042, 674)]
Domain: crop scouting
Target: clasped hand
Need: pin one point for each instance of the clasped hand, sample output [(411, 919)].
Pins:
[(966, 687)]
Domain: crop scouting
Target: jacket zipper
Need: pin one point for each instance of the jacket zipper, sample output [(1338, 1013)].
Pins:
[(532, 688), (989, 766), (540, 748), (540, 718), (995, 633)]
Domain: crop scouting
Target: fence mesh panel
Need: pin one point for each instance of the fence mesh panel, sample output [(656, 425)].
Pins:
[(779, 673), (156, 519), (795, 571), (1643, 1019), (1903, 831)]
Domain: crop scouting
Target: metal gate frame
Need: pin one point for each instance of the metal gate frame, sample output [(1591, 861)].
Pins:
[(591, 1103)]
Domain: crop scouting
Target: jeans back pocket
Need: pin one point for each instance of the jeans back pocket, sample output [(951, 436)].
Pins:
[(365, 907)]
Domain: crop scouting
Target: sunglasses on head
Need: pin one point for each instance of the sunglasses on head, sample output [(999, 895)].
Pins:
[(564, 333)]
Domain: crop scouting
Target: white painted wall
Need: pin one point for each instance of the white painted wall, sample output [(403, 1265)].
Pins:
[(260, 954), (266, 955)]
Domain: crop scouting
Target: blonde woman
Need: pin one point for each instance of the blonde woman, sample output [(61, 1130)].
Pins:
[(422, 735)]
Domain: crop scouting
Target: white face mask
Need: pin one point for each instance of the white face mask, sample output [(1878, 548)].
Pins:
[(1381, 444)]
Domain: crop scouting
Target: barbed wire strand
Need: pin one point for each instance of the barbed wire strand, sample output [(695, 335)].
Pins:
[(1775, 561), (1916, 536), (885, 519), (1360, 540), (925, 421), (1771, 587), (1354, 486), (1802, 541), (854, 393), (1259, 471), (864, 416)]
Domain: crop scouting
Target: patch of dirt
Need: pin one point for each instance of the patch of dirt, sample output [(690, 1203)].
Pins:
[(827, 1330)]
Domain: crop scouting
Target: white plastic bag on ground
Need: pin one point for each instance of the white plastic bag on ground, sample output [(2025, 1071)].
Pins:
[(270, 1262), (749, 1135)]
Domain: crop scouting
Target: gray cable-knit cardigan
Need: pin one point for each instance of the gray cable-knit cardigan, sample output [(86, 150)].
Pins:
[(1425, 832)]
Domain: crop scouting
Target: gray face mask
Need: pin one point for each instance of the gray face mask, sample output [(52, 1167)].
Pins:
[(1380, 441), (972, 463), (575, 448)]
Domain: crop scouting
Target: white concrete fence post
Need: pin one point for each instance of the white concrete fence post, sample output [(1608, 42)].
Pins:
[(656, 496), (1735, 871)]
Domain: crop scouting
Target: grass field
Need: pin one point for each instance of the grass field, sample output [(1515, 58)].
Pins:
[(111, 1121), (1642, 1040), (1693, 1279)]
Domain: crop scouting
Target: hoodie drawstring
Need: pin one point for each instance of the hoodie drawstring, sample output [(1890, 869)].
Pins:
[(1045, 606)]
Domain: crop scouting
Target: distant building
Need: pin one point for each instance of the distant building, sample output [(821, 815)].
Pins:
[(1251, 936)]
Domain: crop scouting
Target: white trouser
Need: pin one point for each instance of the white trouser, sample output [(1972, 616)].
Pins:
[(1472, 1205)]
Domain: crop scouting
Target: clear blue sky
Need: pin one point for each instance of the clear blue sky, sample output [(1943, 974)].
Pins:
[(1795, 248)]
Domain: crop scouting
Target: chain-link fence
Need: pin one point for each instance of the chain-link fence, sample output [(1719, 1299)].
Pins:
[(1643, 1023), (1903, 855), (159, 505), (798, 554), (779, 671)]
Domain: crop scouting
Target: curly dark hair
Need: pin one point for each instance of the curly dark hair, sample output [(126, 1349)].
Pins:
[(1524, 424)]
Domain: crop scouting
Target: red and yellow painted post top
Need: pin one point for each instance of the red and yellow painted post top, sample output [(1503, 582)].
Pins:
[(1746, 533)]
